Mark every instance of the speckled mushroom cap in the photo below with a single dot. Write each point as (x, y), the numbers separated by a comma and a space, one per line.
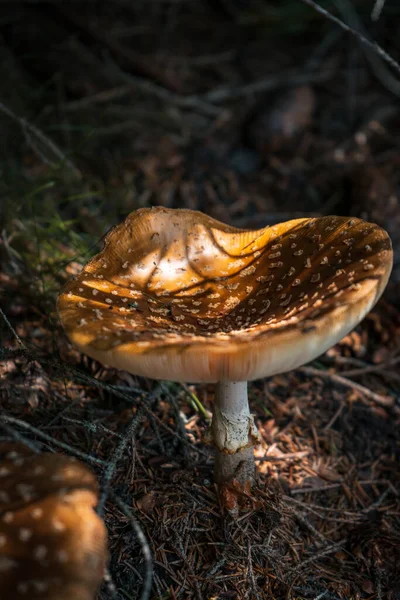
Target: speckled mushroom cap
(52, 543)
(178, 295)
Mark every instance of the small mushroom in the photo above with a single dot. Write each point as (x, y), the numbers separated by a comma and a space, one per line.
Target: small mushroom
(177, 295)
(53, 546)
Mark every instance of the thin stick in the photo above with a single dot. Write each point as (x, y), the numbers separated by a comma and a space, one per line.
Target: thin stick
(335, 486)
(115, 458)
(92, 427)
(251, 571)
(15, 435)
(371, 368)
(11, 328)
(290, 77)
(287, 456)
(148, 578)
(181, 552)
(385, 401)
(308, 506)
(335, 416)
(325, 552)
(324, 517)
(361, 38)
(28, 128)
(376, 11)
(86, 457)
(7, 353)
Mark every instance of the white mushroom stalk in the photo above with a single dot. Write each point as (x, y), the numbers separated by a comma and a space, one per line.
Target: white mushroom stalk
(233, 432)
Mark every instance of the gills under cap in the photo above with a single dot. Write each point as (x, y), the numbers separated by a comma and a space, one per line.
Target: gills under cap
(177, 295)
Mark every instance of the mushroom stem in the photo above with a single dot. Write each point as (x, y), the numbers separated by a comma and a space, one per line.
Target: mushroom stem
(233, 433)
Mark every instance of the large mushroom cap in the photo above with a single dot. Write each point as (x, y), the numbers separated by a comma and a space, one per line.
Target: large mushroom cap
(53, 546)
(178, 295)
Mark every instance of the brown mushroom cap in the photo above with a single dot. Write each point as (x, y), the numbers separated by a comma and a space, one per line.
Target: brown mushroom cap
(52, 543)
(177, 295)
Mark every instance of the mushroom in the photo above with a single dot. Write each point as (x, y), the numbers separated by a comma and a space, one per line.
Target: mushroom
(53, 546)
(177, 295)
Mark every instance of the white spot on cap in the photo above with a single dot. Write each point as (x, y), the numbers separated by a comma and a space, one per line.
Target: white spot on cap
(12, 455)
(62, 556)
(8, 517)
(25, 490)
(6, 564)
(58, 525)
(22, 588)
(40, 586)
(25, 534)
(247, 271)
(40, 552)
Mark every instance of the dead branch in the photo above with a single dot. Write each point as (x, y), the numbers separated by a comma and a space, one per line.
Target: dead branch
(146, 590)
(386, 401)
(30, 130)
(361, 38)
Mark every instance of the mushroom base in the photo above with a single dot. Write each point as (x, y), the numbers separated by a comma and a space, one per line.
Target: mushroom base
(233, 433)
(239, 466)
(232, 428)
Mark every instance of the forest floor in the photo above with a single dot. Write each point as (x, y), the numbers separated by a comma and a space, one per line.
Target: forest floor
(253, 113)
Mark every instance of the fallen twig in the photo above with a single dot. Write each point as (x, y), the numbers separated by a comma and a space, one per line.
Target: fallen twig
(139, 62)
(386, 401)
(335, 486)
(376, 11)
(29, 129)
(146, 591)
(266, 84)
(371, 368)
(361, 38)
(287, 456)
(12, 330)
(115, 458)
(6, 353)
(324, 552)
(7, 419)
